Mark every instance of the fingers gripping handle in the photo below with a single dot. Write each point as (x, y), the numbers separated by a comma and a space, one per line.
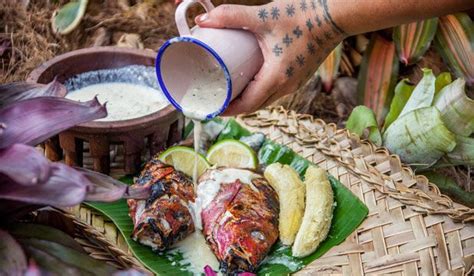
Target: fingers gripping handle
(180, 15)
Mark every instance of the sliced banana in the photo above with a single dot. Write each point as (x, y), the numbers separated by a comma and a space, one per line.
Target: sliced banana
(290, 189)
(318, 213)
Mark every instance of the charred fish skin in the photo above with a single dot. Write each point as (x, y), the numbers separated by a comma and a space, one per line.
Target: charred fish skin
(164, 218)
(241, 224)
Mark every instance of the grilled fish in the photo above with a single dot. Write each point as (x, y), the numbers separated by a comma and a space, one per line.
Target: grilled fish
(164, 218)
(239, 216)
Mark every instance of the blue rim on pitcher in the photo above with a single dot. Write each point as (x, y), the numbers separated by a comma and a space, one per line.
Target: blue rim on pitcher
(198, 42)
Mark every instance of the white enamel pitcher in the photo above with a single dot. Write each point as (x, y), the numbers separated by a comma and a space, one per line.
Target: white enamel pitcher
(182, 60)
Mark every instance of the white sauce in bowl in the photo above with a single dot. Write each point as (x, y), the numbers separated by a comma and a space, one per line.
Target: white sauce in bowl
(124, 100)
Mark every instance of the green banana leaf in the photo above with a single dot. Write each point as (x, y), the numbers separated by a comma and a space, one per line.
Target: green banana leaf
(457, 109)
(420, 137)
(413, 40)
(423, 94)
(463, 153)
(403, 91)
(348, 215)
(442, 80)
(363, 118)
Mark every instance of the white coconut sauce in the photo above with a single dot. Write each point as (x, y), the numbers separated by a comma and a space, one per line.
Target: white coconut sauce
(124, 100)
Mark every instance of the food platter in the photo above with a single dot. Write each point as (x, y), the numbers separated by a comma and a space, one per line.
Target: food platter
(348, 213)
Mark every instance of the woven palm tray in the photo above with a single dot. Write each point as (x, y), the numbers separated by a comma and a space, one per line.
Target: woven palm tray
(411, 227)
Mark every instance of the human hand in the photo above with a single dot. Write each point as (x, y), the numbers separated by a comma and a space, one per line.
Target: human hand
(295, 37)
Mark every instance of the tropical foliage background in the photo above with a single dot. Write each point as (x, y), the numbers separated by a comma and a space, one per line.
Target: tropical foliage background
(416, 77)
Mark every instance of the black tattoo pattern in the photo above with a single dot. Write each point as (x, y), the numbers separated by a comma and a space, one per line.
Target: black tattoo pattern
(297, 32)
(290, 71)
(275, 13)
(313, 4)
(277, 50)
(319, 41)
(318, 21)
(287, 40)
(300, 60)
(311, 48)
(328, 35)
(303, 5)
(263, 14)
(327, 16)
(290, 10)
(309, 24)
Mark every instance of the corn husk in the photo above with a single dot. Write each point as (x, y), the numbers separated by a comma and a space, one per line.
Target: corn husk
(423, 94)
(454, 41)
(413, 40)
(457, 109)
(361, 119)
(463, 153)
(330, 67)
(377, 76)
(403, 91)
(419, 137)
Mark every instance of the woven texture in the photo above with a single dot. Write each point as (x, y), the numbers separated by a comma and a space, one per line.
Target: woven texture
(411, 227)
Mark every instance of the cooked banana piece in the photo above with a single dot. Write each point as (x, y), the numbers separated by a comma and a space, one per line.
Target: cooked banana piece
(318, 213)
(290, 189)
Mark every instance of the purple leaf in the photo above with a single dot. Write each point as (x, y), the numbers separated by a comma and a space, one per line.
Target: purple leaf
(19, 91)
(12, 257)
(208, 271)
(24, 165)
(107, 189)
(34, 120)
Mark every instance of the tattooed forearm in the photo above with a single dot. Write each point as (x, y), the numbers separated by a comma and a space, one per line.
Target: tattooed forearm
(328, 17)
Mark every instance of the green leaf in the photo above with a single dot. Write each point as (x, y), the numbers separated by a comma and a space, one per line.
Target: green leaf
(403, 91)
(377, 76)
(463, 153)
(12, 258)
(457, 109)
(420, 137)
(363, 118)
(449, 187)
(330, 67)
(423, 94)
(68, 17)
(413, 40)
(348, 215)
(455, 43)
(442, 80)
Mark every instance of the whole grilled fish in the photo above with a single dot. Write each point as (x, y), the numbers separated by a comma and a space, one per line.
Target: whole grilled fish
(240, 217)
(164, 218)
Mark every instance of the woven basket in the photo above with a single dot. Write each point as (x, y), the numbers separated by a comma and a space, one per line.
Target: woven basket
(411, 227)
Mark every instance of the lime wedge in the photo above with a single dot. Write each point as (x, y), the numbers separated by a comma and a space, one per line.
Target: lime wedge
(232, 153)
(183, 159)
(66, 19)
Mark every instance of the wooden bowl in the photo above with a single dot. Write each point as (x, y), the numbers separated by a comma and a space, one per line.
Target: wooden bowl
(152, 132)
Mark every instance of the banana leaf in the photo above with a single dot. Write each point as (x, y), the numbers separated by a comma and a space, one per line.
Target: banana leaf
(463, 153)
(420, 137)
(377, 76)
(330, 67)
(423, 93)
(448, 186)
(363, 118)
(454, 41)
(442, 80)
(457, 109)
(348, 215)
(413, 40)
(403, 91)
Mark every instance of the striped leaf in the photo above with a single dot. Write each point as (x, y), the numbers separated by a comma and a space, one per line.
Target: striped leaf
(413, 40)
(454, 41)
(329, 68)
(377, 76)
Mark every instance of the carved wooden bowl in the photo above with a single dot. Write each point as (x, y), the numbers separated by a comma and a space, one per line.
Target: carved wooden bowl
(150, 133)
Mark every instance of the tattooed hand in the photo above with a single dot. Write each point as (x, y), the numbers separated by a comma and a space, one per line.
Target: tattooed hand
(295, 37)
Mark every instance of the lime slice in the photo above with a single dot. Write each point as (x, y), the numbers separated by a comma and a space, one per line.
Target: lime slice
(183, 158)
(232, 153)
(66, 19)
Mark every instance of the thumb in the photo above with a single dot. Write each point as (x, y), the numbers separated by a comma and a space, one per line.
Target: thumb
(230, 16)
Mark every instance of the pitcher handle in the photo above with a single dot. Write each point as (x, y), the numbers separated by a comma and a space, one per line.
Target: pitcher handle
(180, 15)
